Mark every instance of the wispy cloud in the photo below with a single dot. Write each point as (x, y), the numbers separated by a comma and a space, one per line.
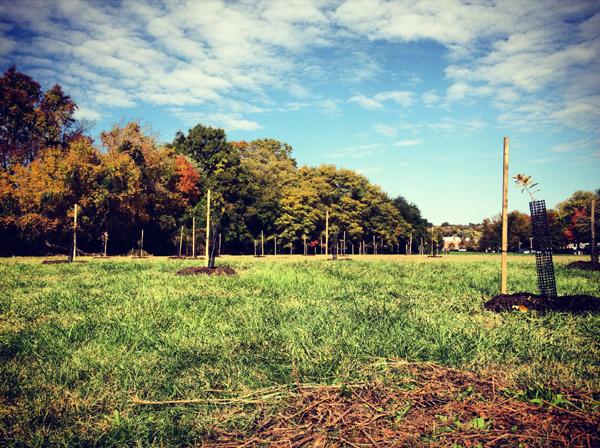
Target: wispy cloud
(365, 102)
(408, 143)
(385, 129)
(369, 170)
(358, 152)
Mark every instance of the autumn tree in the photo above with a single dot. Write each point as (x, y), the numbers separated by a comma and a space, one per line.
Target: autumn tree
(519, 231)
(31, 120)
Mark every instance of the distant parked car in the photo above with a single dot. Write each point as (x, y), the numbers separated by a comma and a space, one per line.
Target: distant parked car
(462, 250)
(524, 251)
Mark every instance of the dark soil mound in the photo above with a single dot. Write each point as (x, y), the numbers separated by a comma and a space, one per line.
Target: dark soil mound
(584, 266)
(339, 259)
(196, 270)
(177, 258)
(569, 304)
(61, 261)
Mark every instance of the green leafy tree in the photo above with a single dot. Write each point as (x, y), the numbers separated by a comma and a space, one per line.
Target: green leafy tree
(233, 186)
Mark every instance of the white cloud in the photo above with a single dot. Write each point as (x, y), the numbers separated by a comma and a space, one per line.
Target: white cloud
(403, 98)
(358, 152)
(571, 146)
(85, 113)
(369, 170)
(408, 142)
(385, 129)
(365, 102)
(430, 97)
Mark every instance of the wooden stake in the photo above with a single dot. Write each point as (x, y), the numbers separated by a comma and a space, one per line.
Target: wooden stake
(505, 218)
(194, 237)
(180, 241)
(262, 244)
(594, 248)
(74, 234)
(326, 232)
(142, 244)
(207, 226)
(219, 244)
(275, 246)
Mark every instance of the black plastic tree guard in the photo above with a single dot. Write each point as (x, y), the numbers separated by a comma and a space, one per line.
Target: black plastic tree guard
(543, 249)
(334, 247)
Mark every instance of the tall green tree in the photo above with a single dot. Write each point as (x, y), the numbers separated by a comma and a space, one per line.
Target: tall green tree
(412, 215)
(233, 186)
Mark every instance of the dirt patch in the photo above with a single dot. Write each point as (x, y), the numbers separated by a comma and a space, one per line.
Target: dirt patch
(584, 266)
(525, 301)
(61, 261)
(428, 406)
(197, 270)
(339, 259)
(177, 258)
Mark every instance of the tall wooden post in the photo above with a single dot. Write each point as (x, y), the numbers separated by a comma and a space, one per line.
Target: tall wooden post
(74, 253)
(275, 246)
(344, 251)
(304, 239)
(594, 248)
(326, 232)
(207, 226)
(194, 237)
(142, 244)
(180, 242)
(505, 218)
(410, 245)
(262, 243)
(219, 244)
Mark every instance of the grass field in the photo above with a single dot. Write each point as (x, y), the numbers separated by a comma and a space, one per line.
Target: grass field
(79, 341)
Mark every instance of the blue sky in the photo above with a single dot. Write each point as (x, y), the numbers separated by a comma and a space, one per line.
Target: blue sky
(416, 95)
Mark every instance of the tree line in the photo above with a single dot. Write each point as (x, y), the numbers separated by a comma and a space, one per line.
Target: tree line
(130, 181)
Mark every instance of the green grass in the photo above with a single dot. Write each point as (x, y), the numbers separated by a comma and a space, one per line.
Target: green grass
(78, 341)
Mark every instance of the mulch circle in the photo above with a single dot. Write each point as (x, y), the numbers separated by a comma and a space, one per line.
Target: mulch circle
(62, 261)
(584, 266)
(196, 270)
(568, 304)
(430, 406)
(177, 258)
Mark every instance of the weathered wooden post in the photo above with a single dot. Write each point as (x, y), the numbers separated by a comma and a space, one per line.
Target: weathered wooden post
(180, 242)
(207, 227)
(594, 248)
(505, 218)
(73, 253)
(219, 244)
(326, 232)
(275, 246)
(262, 243)
(194, 237)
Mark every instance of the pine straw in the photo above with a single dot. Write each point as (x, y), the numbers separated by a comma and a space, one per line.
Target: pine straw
(422, 405)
